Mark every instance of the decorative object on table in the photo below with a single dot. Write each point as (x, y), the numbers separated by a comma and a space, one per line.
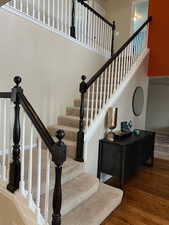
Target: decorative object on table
(111, 123)
(136, 132)
(126, 126)
(130, 125)
(138, 101)
(119, 135)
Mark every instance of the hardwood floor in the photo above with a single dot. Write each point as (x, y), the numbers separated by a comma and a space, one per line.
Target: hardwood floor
(146, 198)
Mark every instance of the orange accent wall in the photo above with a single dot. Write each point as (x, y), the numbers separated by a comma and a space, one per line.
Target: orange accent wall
(159, 38)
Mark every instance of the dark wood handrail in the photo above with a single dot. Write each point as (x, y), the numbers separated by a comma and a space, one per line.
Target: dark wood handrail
(5, 94)
(57, 149)
(43, 132)
(116, 54)
(95, 12)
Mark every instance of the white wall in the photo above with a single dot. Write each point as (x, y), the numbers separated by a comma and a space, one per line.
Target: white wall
(158, 105)
(125, 113)
(51, 66)
(98, 5)
(121, 12)
(140, 13)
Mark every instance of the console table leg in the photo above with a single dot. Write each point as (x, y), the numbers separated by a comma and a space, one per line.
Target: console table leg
(122, 183)
(99, 162)
(152, 161)
(122, 176)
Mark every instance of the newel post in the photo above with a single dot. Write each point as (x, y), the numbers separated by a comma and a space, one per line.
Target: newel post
(80, 134)
(15, 166)
(58, 157)
(113, 37)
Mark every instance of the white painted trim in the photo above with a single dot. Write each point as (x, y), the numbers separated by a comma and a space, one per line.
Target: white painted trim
(51, 29)
(100, 117)
(140, 1)
(159, 84)
(158, 77)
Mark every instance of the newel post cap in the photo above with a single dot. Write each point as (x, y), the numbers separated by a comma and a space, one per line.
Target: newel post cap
(84, 77)
(60, 134)
(17, 80)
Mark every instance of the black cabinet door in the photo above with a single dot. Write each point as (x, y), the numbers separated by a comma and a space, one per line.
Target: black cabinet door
(130, 160)
(121, 158)
(145, 149)
(110, 159)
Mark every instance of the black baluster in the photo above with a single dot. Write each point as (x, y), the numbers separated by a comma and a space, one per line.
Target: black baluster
(113, 37)
(15, 166)
(72, 28)
(58, 157)
(80, 134)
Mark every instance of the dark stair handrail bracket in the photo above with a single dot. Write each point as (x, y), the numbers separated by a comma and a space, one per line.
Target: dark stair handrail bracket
(57, 149)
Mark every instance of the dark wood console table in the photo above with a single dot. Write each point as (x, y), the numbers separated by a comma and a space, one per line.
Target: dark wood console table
(122, 158)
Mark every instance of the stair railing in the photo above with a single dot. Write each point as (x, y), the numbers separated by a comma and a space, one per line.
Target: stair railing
(91, 28)
(71, 18)
(99, 89)
(25, 170)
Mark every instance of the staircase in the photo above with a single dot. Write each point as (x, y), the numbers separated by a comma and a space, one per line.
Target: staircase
(97, 93)
(85, 200)
(79, 197)
(56, 187)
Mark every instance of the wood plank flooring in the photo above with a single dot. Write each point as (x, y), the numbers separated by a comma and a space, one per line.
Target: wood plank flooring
(146, 198)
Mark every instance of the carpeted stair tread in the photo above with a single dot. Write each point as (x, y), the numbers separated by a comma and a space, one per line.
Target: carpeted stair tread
(71, 147)
(96, 208)
(75, 111)
(71, 169)
(69, 121)
(77, 102)
(63, 127)
(75, 192)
